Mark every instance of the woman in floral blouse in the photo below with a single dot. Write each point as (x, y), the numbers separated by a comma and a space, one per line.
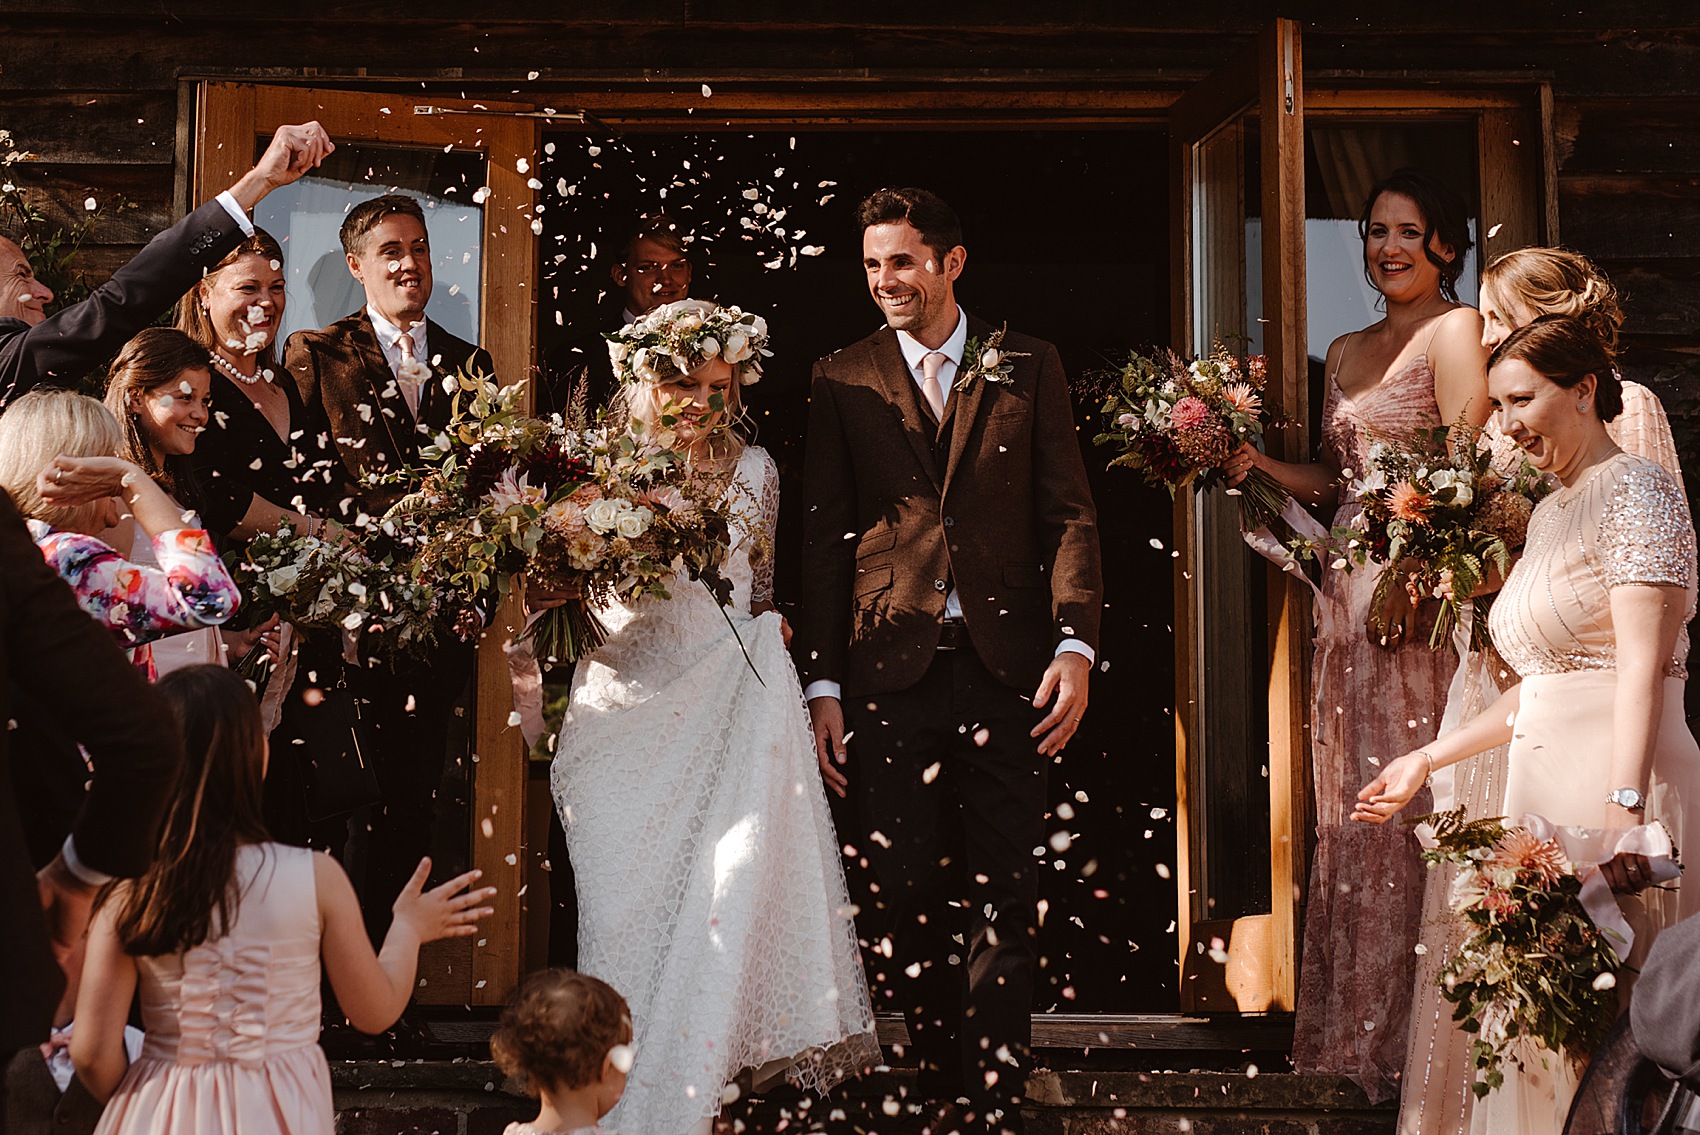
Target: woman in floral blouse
(57, 460)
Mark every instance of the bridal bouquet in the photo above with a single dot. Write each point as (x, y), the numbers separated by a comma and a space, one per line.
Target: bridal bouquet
(1535, 965)
(1440, 509)
(586, 510)
(320, 584)
(1176, 419)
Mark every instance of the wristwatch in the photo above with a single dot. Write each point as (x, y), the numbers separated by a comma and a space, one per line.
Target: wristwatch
(1627, 798)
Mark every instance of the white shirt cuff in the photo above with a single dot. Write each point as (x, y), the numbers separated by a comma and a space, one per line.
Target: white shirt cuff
(1078, 647)
(236, 213)
(80, 869)
(823, 689)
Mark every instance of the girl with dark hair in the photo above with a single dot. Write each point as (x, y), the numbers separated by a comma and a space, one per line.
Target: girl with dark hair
(224, 936)
(159, 390)
(1377, 685)
(1593, 620)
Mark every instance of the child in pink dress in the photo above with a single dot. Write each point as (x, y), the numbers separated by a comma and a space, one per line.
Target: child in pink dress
(223, 939)
(567, 1038)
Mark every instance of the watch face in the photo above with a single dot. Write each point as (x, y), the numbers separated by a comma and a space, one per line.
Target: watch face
(1626, 798)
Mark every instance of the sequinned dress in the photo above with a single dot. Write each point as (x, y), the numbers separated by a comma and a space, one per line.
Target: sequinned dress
(1435, 1097)
(1366, 881)
(1624, 523)
(709, 881)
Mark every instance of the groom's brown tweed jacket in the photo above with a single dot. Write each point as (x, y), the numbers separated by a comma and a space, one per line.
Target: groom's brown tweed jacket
(993, 501)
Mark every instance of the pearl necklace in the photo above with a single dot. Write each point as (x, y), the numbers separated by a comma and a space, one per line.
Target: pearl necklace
(229, 368)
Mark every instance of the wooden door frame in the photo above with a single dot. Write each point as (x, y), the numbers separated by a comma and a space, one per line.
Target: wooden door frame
(230, 118)
(1517, 176)
(1515, 109)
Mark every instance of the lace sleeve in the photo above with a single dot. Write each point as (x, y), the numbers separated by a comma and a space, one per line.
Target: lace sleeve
(1646, 535)
(137, 602)
(764, 531)
(1644, 430)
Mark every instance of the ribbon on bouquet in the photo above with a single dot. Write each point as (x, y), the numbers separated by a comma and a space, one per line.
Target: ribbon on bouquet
(1590, 847)
(1265, 544)
(526, 675)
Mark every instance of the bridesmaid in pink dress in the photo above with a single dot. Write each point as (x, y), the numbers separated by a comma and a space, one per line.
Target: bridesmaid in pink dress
(1593, 619)
(222, 940)
(1376, 691)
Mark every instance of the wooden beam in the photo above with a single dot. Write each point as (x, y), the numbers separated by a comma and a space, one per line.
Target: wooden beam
(1282, 104)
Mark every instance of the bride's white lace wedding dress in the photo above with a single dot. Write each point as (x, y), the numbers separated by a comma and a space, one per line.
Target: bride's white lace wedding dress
(709, 884)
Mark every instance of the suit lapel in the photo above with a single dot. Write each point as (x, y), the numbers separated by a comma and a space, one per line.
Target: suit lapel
(963, 406)
(905, 401)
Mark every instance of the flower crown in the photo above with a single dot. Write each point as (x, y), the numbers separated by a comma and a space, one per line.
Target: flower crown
(678, 338)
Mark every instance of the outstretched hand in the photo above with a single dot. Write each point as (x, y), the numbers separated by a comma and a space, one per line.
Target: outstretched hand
(294, 150)
(1067, 678)
(1382, 798)
(449, 910)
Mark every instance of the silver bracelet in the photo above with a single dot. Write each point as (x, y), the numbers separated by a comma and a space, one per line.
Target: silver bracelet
(1428, 780)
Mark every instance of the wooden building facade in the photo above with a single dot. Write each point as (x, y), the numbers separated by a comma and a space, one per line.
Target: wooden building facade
(1128, 173)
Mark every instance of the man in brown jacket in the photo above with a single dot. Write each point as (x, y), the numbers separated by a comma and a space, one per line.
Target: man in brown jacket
(378, 379)
(950, 621)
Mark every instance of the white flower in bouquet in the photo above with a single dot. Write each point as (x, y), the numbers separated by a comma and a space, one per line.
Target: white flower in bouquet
(1127, 421)
(737, 347)
(282, 580)
(1452, 487)
(604, 515)
(633, 522)
(617, 351)
(710, 347)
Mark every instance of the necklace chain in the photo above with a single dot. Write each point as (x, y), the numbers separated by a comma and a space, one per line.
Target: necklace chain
(229, 368)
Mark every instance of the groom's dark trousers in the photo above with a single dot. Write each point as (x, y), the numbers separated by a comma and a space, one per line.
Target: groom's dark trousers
(990, 502)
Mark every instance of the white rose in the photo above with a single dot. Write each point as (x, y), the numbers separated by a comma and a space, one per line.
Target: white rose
(617, 351)
(690, 321)
(990, 360)
(282, 580)
(737, 347)
(710, 347)
(603, 515)
(634, 523)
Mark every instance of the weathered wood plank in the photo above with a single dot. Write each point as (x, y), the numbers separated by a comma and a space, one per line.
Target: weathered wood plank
(93, 127)
(1631, 218)
(63, 191)
(1630, 136)
(1660, 297)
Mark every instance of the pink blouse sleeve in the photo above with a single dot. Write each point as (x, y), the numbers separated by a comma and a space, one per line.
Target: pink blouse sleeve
(189, 589)
(1645, 534)
(1644, 429)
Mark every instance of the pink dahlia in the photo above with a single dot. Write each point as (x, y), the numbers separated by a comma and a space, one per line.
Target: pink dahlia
(1189, 413)
(1519, 849)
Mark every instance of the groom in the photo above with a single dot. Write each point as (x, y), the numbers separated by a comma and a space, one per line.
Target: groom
(949, 625)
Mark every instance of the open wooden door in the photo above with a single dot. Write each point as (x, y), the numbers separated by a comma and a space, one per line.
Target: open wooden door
(1242, 629)
(471, 162)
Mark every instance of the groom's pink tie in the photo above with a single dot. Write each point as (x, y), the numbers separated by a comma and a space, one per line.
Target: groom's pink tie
(930, 389)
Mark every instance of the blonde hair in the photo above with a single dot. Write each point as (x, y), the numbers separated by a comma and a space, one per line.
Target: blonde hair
(39, 427)
(1558, 281)
(641, 402)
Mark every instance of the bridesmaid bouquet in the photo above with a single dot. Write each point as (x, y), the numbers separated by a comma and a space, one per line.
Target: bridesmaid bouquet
(1441, 509)
(586, 510)
(1176, 419)
(1535, 966)
(320, 584)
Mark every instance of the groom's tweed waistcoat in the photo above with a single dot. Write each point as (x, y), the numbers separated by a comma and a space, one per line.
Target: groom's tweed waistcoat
(994, 503)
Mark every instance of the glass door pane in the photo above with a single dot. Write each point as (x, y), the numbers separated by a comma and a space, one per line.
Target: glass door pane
(305, 218)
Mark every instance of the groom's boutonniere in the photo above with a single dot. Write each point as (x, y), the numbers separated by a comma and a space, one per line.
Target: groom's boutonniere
(987, 361)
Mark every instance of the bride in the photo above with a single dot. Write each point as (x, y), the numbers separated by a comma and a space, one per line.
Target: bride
(710, 889)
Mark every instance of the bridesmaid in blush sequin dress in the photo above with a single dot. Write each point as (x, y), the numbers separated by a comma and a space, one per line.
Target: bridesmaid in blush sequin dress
(1593, 620)
(1420, 366)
